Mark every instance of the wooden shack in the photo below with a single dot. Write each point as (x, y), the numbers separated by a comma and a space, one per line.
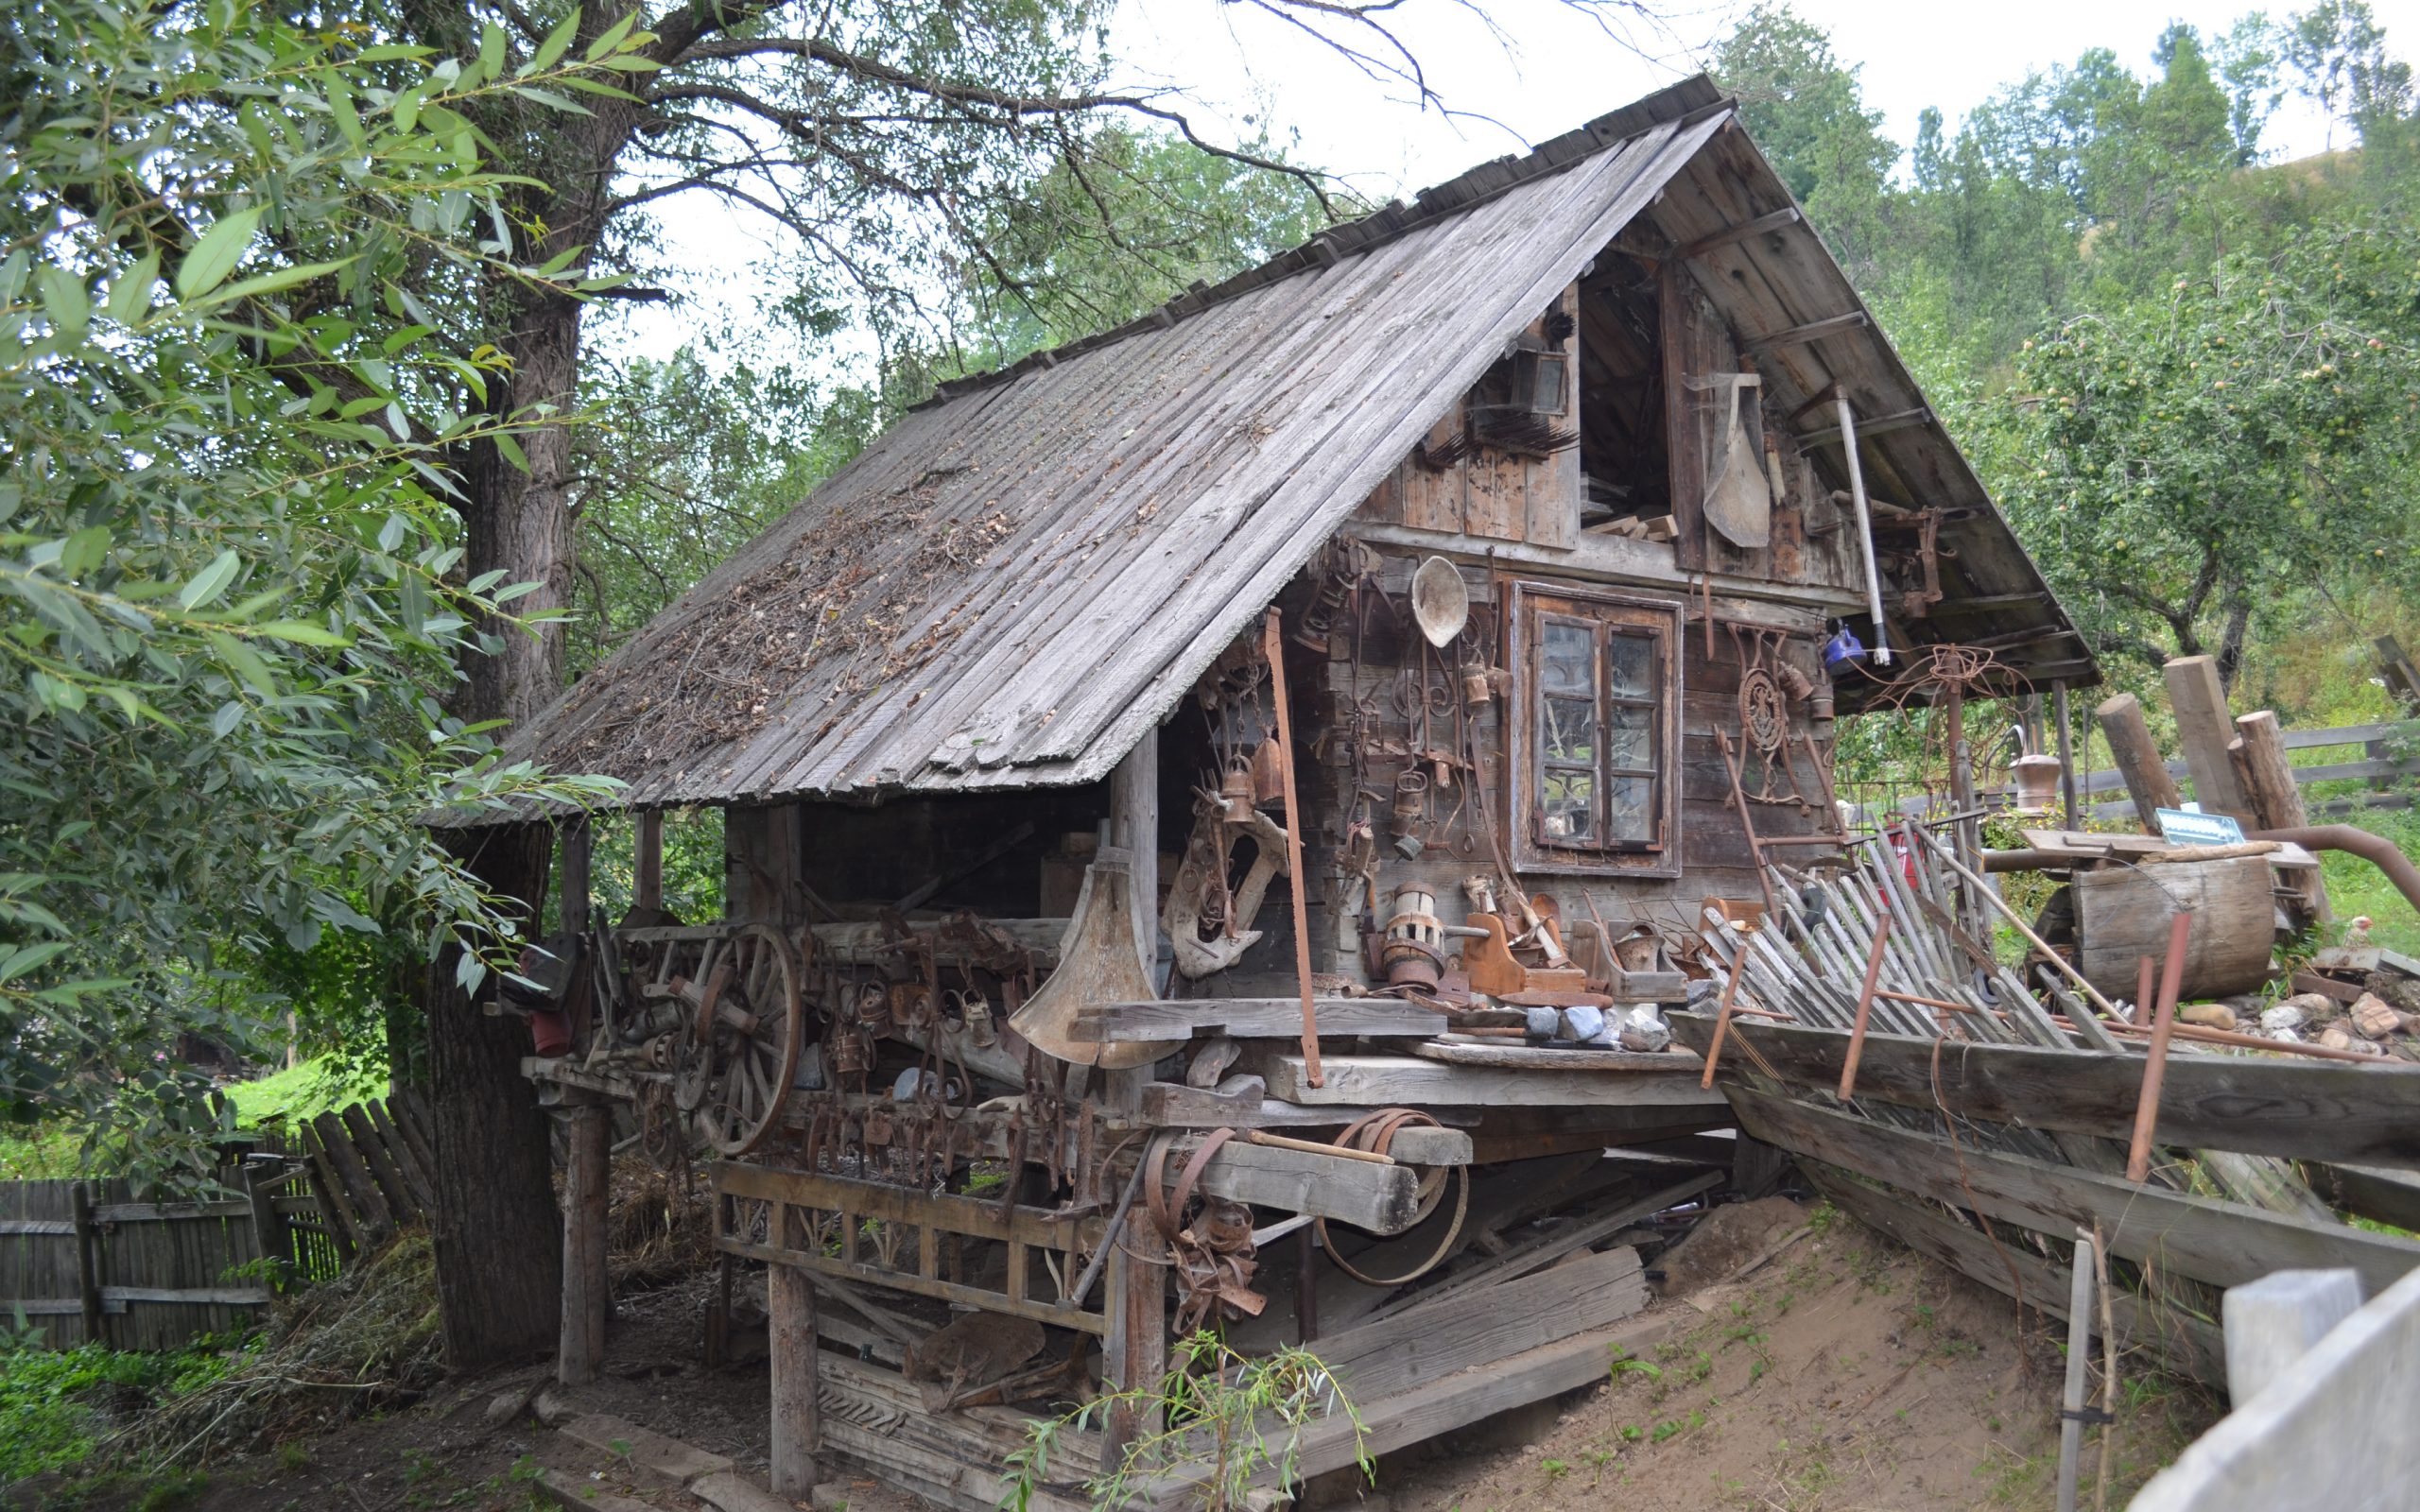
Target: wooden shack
(1276, 725)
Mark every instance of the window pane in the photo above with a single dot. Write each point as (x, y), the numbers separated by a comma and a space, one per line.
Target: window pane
(1629, 666)
(1567, 731)
(1565, 658)
(1630, 738)
(1630, 813)
(1568, 804)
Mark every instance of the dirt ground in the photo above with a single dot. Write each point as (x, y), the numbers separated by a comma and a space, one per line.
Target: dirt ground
(1842, 1373)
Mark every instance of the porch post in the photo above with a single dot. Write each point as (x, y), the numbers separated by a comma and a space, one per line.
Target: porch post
(789, 1317)
(1134, 1353)
(580, 1349)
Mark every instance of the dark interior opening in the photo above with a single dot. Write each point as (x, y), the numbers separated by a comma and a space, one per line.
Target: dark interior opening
(1625, 465)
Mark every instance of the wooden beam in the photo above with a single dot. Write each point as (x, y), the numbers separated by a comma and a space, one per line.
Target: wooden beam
(2138, 758)
(1436, 1334)
(2268, 781)
(1380, 1199)
(580, 1349)
(647, 886)
(2067, 799)
(1813, 331)
(2307, 1109)
(573, 831)
(2187, 1342)
(2224, 1243)
(2203, 729)
(1880, 425)
(1386, 1081)
(1732, 234)
(1251, 1019)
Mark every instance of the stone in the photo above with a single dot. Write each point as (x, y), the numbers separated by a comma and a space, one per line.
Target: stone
(2285, 1017)
(2208, 1015)
(2334, 1038)
(510, 1404)
(2374, 1017)
(580, 1494)
(829, 1496)
(2313, 1004)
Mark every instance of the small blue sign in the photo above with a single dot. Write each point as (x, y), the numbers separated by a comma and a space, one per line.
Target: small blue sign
(2184, 827)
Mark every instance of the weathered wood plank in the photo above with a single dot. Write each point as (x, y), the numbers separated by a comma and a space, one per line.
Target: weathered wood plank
(1252, 1018)
(1381, 1198)
(2190, 1344)
(2221, 1243)
(2204, 729)
(1479, 1325)
(2305, 1109)
(1553, 1062)
(1385, 1081)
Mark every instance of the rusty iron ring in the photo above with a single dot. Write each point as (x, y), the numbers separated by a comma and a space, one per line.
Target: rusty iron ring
(1375, 1132)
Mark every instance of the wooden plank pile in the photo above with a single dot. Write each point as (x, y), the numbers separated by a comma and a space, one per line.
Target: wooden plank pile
(1874, 1034)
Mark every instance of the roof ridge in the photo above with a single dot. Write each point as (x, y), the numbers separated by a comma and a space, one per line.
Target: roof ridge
(1679, 104)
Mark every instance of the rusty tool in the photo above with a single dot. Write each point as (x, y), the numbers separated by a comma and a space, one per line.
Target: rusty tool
(1272, 642)
(1281, 1142)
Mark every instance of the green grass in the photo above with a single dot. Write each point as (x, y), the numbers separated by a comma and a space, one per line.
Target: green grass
(54, 1150)
(2355, 886)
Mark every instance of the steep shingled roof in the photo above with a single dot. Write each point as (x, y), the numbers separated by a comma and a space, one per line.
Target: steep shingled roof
(1016, 579)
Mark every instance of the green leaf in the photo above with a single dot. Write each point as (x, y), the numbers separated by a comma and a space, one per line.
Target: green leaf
(614, 36)
(245, 663)
(216, 255)
(130, 293)
(551, 99)
(491, 50)
(552, 48)
(301, 632)
(511, 450)
(65, 298)
(84, 550)
(210, 582)
(16, 962)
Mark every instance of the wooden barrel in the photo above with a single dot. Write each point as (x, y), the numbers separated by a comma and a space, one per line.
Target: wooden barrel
(2122, 915)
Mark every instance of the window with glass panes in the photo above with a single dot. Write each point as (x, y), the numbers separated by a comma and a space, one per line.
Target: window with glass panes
(1594, 750)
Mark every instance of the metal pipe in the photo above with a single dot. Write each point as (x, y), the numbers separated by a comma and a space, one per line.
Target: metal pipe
(1864, 529)
(2375, 850)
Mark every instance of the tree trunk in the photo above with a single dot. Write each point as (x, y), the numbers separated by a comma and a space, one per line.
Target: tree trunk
(498, 1234)
(498, 1237)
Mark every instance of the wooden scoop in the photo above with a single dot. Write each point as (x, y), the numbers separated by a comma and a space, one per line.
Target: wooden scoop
(1099, 962)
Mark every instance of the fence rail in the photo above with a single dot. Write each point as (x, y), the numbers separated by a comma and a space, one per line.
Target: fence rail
(2109, 780)
(86, 1262)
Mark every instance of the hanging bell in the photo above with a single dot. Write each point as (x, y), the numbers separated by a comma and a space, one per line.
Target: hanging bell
(1237, 791)
(1269, 773)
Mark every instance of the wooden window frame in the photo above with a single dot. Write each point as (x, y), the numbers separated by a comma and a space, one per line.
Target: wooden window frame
(1530, 604)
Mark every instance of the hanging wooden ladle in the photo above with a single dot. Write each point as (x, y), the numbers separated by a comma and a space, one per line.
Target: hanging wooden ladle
(1440, 603)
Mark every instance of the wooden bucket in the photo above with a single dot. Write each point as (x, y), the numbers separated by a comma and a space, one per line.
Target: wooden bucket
(2122, 915)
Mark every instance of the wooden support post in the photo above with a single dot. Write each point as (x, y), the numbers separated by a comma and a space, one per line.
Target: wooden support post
(2259, 754)
(574, 834)
(1134, 1353)
(88, 1262)
(581, 1348)
(2137, 758)
(764, 851)
(270, 1231)
(647, 886)
(2067, 781)
(789, 1317)
(2204, 730)
(1134, 824)
(2402, 678)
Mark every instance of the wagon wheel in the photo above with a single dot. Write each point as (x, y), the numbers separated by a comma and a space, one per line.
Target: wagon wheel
(693, 1064)
(751, 1028)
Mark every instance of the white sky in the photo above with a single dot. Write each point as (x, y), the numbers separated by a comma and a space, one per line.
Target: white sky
(1553, 69)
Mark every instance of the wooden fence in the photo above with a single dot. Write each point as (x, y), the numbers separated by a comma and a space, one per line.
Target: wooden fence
(2379, 766)
(84, 1261)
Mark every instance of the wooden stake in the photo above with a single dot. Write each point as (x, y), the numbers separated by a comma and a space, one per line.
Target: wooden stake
(2137, 758)
(2259, 754)
(2079, 1358)
(2138, 1155)
(1272, 642)
(2203, 729)
(1864, 1005)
